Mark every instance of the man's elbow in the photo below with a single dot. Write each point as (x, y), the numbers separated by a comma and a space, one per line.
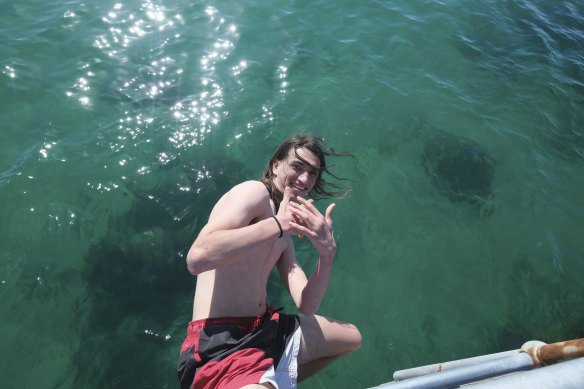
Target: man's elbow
(307, 309)
(197, 261)
(307, 312)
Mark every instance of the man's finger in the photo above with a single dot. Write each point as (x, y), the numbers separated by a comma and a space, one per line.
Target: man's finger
(299, 210)
(329, 214)
(286, 194)
(297, 219)
(285, 200)
(308, 204)
(299, 229)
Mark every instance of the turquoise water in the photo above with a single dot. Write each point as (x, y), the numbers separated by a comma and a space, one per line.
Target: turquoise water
(123, 123)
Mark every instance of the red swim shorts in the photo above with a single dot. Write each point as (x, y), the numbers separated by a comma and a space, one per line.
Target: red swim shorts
(231, 352)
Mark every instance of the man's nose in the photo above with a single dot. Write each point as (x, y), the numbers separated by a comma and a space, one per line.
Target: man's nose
(304, 176)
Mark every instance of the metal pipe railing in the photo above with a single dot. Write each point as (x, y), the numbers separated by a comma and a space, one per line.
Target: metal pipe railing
(406, 374)
(463, 375)
(455, 373)
(546, 354)
(565, 375)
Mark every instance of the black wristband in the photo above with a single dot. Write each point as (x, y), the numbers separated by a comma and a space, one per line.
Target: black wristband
(279, 226)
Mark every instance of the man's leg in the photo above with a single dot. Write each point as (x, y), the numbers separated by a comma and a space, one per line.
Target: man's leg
(323, 340)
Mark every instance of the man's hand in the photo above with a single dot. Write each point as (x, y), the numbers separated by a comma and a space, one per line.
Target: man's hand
(285, 216)
(308, 221)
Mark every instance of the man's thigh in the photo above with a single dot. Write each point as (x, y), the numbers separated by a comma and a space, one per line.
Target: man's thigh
(323, 337)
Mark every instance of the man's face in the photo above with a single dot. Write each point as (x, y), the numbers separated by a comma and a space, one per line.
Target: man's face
(300, 176)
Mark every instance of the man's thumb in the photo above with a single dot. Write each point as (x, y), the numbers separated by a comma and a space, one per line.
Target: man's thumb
(329, 214)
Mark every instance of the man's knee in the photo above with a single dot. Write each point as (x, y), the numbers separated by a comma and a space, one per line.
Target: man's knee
(324, 337)
(354, 337)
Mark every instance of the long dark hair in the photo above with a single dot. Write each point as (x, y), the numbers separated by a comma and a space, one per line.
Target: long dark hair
(322, 188)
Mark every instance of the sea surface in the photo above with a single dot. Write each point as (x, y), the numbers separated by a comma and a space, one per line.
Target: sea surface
(122, 123)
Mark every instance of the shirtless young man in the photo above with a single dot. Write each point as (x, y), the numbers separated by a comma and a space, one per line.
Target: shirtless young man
(236, 340)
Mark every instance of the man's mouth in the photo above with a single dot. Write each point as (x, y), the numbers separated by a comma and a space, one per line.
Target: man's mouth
(301, 189)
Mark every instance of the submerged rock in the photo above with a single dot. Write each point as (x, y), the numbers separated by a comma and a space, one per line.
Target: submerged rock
(460, 169)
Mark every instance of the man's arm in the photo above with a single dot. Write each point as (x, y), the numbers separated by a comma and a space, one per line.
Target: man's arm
(308, 294)
(228, 235)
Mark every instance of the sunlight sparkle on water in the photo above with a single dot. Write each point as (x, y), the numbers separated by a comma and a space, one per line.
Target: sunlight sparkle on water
(237, 69)
(199, 115)
(45, 150)
(9, 71)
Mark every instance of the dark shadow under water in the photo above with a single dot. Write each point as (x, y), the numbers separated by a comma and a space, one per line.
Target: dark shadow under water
(460, 169)
(139, 292)
(553, 314)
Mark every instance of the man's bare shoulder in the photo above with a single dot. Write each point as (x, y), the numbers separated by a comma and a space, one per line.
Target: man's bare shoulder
(251, 187)
(245, 201)
(248, 192)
